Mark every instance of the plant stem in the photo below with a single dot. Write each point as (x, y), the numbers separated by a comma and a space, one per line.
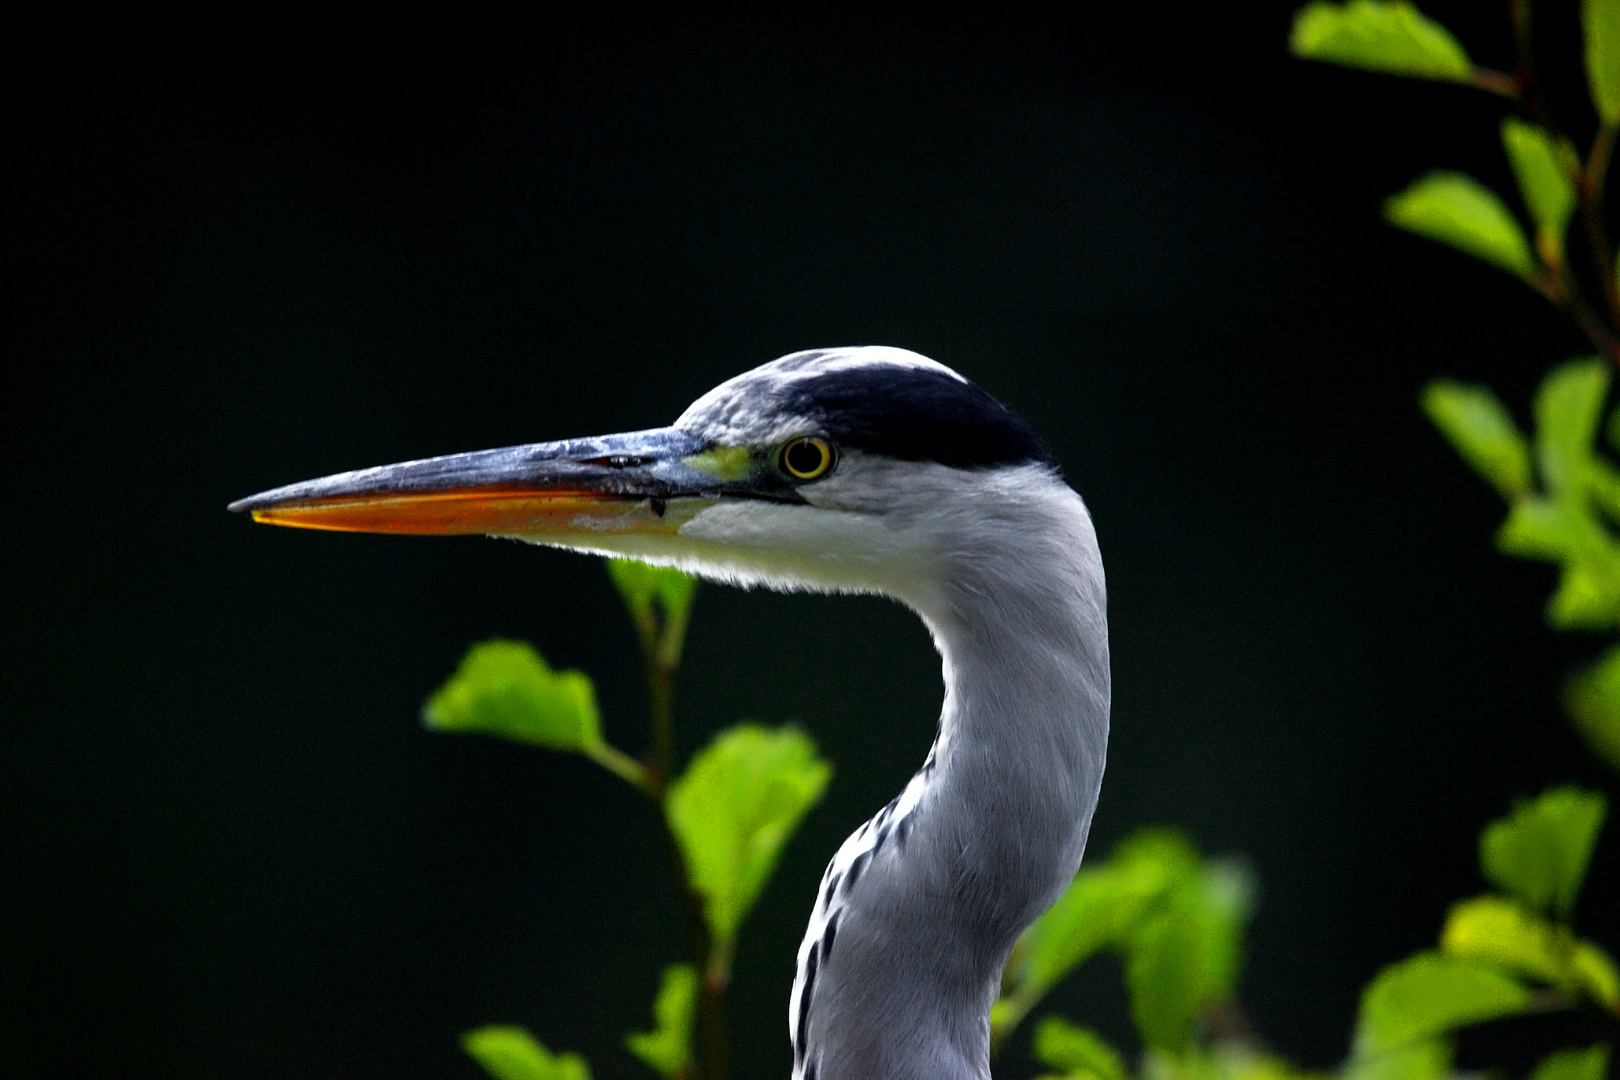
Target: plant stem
(622, 765)
(1524, 83)
(661, 643)
(1496, 82)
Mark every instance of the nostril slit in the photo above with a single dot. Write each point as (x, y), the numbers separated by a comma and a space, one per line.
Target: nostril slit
(619, 461)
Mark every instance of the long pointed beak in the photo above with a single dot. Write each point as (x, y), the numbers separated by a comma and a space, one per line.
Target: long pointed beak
(615, 483)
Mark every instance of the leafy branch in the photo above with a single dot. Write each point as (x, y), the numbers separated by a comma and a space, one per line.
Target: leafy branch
(1566, 509)
(1554, 181)
(725, 819)
(1177, 922)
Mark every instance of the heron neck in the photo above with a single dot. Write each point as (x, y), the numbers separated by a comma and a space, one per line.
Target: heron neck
(1023, 738)
(993, 827)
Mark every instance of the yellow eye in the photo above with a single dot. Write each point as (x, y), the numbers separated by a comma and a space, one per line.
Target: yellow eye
(807, 458)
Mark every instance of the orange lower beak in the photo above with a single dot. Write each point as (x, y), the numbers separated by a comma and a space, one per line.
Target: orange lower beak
(474, 511)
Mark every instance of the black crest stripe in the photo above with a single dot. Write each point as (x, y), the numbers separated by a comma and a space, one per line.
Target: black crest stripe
(915, 414)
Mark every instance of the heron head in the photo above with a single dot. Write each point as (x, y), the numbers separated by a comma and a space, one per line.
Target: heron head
(834, 469)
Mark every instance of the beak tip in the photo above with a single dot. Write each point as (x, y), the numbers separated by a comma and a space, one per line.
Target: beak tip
(242, 506)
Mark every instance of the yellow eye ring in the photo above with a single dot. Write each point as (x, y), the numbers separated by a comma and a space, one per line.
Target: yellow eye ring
(807, 458)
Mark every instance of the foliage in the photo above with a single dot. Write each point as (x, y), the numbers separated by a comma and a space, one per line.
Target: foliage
(1177, 921)
(1540, 853)
(1589, 1064)
(1076, 1053)
(1567, 510)
(1458, 210)
(505, 688)
(511, 1053)
(1174, 918)
(733, 812)
(668, 1047)
(728, 816)
(1389, 37)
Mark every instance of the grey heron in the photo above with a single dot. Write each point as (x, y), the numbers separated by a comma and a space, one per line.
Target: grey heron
(864, 470)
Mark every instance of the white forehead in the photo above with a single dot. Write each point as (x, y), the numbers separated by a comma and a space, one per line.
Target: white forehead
(748, 407)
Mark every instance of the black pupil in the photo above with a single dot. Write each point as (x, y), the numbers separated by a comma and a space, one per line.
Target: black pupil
(805, 457)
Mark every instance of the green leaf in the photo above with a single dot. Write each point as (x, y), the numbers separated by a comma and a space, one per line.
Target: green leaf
(667, 1049)
(1549, 531)
(1600, 22)
(1455, 209)
(1390, 37)
(511, 1053)
(1427, 995)
(1540, 851)
(1188, 956)
(505, 688)
(1428, 1059)
(1568, 405)
(1496, 929)
(1102, 905)
(1543, 166)
(1076, 1051)
(733, 811)
(1163, 975)
(1588, 598)
(659, 599)
(1482, 431)
(1589, 1064)
(1595, 973)
(1593, 701)
(1603, 485)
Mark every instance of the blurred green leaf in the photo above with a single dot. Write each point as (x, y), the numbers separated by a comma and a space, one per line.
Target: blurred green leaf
(1593, 700)
(505, 688)
(659, 600)
(1568, 405)
(1455, 209)
(1483, 433)
(667, 1049)
(1243, 1061)
(734, 810)
(511, 1053)
(1540, 851)
(1101, 905)
(1588, 597)
(1589, 1064)
(1499, 930)
(1076, 1052)
(1595, 974)
(1427, 1059)
(1543, 164)
(1603, 485)
(1164, 976)
(1187, 956)
(1178, 919)
(1390, 37)
(1427, 995)
(1546, 530)
(1600, 23)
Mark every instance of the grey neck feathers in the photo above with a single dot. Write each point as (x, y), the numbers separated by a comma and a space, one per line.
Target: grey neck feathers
(920, 908)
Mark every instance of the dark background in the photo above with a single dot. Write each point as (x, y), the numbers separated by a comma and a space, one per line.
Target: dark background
(231, 850)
